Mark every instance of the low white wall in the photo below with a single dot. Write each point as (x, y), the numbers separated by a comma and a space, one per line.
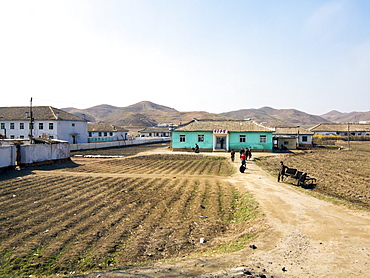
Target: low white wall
(7, 156)
(44, 152)
(102, 145)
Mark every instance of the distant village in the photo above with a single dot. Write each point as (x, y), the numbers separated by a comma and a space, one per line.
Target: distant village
(46, 125)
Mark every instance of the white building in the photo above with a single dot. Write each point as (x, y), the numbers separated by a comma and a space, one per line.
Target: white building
(106, 132)
(342, 129)
(292, 138)
(45, 122)
(155, 132)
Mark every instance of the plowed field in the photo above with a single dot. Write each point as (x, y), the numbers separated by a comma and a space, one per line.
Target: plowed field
(341, 174)
(95, 214)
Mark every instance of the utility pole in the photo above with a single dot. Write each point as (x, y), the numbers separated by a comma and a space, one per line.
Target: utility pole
(349, 146)
(31, 122)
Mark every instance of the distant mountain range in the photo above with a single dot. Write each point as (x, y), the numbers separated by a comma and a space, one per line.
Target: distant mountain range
(146, 114)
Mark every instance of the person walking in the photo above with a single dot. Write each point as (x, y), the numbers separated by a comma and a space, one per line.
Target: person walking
(281, 171)
(242, 151)
(243, 158)
(232, 155)
(249, 155)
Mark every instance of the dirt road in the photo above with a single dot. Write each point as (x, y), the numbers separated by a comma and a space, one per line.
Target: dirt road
(308, 237)
(302, 237)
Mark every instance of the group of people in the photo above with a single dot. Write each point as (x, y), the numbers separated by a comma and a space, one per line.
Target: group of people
(245, 154)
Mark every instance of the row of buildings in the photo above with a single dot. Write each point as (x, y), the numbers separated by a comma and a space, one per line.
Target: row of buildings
(52, 123)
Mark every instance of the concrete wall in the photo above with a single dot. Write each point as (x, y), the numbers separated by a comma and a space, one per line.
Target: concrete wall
(7, 156)
(35, 153)
(103, 145)
(44, 152)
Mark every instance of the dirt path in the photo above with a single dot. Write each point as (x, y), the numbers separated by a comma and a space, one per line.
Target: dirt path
(308, 237)
(303, 237)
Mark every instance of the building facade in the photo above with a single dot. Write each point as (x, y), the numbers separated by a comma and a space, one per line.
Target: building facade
(42, 122)
(106, 132)
(292, 138)
(155, 132)
(212, 135)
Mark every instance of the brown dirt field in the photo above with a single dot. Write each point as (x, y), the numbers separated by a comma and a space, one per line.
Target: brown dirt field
(340, 173)
(101, 213)
(92, 214)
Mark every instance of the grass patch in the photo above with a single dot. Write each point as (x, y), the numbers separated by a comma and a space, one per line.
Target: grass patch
(233, 246)
(245, 207)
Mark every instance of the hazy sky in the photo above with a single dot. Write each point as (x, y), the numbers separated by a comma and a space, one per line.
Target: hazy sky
(209, 55)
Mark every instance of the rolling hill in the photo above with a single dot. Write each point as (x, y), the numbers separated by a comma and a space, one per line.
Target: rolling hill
(277, 117)
(145, 114)
(140, 115)
(352, 117)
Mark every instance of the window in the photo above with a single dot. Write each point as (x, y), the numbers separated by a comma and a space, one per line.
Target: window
(111, 133)
(242, 138)
(11, 125)
(200, 137)
(105, 133)
(41, 125)
(99, 134)
(262, 138)
(73, 124)
(51, 125)
(182, 138)
(304, 139)
(21, 137)
(2, 125)
(90, 134)
(12, 137)
(21, 125)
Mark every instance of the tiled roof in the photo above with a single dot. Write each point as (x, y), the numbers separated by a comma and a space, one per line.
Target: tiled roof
(233, 126)
(155, 129)
(292, 131)
(39, 113)
(340, 127)
(105, 127)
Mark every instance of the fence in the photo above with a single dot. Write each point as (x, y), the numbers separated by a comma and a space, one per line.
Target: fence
(23, 155)
(103, 145)
(7, 156)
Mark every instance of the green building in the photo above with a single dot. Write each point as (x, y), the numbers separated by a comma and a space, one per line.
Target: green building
(213, 135)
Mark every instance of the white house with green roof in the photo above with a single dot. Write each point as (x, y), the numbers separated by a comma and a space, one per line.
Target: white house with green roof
(215, 135)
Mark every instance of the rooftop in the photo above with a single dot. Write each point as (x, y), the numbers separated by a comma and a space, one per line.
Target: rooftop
(105, 127)
(38, 112)
(340, 127)
(233, 126)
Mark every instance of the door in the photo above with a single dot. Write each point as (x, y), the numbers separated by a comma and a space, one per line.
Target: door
(221, 142)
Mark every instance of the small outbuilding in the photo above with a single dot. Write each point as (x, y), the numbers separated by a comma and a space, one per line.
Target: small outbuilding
(291, 138)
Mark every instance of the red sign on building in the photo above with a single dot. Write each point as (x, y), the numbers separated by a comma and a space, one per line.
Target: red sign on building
(220, 131)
